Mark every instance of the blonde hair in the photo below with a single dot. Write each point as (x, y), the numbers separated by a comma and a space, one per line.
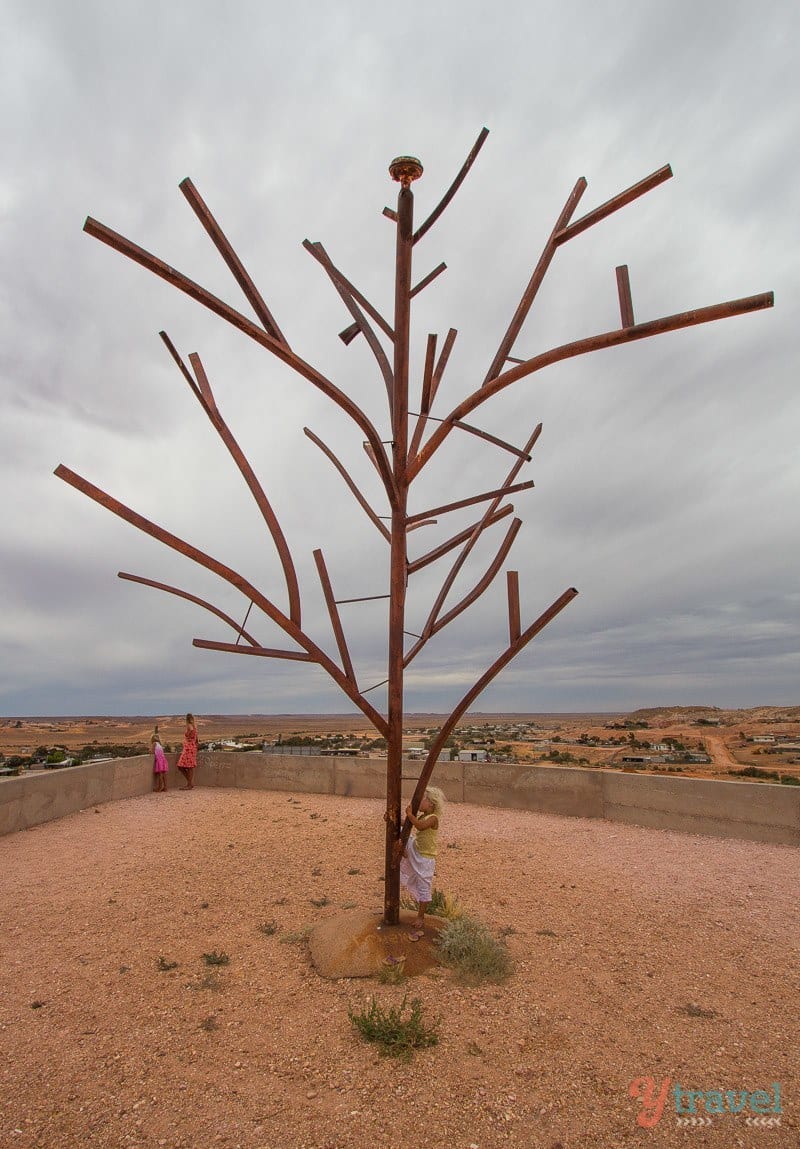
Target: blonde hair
(437, 799)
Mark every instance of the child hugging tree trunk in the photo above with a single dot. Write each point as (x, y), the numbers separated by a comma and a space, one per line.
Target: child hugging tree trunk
(418, 863)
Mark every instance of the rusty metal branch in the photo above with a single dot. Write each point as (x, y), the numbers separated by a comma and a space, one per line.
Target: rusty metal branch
(230, 576)
(438, 371)
(462, 536)
(530, 292)
(479, 528)
(483, 583)
(425, 401)
(430, 384)
(471, 501)
(433, 626)
(260, 651)
(610, 206)
(583, 347)
(223, 246)
(429, 278)
(625, 299)
(373, 517)
(352, 298)
(336, 622)
(454, 186)
(512, 583)
(345, 293)
(427, 376)
(206, 397)
(449, 726)
(242, 323)
(191, 598)
(184, 370)
(480, 435)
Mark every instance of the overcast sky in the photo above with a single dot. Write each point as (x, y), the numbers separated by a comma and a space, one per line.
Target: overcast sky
(667, 474)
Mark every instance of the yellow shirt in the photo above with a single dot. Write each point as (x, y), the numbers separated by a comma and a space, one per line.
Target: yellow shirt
(427, 843)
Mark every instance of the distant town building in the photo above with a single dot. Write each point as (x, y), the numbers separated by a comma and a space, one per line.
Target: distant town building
(473, 756)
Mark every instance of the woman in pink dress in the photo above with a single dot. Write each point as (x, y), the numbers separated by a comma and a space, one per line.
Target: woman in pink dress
(188, 758)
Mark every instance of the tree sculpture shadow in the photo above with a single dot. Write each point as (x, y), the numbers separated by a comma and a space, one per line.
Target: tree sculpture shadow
(414, 439)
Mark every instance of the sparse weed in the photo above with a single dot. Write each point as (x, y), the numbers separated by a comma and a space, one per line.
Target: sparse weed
(697, 1011)
(320, 902)
(269, 928)
(392, 971)
(394, 1034)
(165, 965)
(209, 980)
(296, 937)
(209, 1024)
(471, 949)
(216, 958)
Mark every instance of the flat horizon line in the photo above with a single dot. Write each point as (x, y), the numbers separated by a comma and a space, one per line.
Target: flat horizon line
(338, 714)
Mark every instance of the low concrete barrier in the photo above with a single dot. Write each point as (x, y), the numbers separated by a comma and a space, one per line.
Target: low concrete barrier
(754, 811)
(30, 799)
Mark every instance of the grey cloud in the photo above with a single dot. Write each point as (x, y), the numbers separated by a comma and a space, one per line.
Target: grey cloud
(667, 473)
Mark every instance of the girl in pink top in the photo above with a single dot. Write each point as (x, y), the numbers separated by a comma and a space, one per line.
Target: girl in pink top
(160, 764)
(188, 758)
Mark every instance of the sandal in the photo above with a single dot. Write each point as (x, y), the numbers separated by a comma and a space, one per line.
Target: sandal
(415, 935)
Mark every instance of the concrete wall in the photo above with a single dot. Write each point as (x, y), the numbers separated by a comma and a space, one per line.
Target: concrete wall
(756, 811)
(30, 799)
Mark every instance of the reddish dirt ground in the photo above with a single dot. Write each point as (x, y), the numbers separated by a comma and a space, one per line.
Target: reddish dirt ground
(638, 954)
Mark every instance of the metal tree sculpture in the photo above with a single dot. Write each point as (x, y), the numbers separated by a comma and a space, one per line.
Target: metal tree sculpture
(398, 469)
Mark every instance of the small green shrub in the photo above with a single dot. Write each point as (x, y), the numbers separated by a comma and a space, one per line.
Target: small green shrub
(473, 951)
(790, 780)
(215, 958)
(756, 772)
(394, 1034)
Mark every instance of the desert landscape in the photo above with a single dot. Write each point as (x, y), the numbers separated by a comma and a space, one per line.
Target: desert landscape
(763, 738)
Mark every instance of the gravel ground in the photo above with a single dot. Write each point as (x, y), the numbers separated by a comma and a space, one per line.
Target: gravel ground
(638, 953)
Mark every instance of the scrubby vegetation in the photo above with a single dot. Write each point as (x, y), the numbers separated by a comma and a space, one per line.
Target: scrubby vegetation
(395, 1035)
(476, 955)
